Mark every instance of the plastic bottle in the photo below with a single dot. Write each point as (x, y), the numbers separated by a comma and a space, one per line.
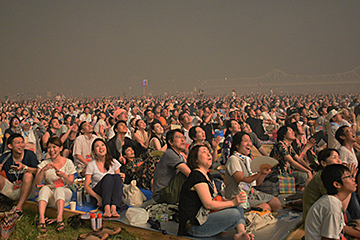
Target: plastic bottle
(79, 197)
(93, 221)
(99, 221)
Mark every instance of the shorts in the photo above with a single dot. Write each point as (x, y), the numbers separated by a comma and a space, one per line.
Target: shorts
(14, 194)
(257, 197)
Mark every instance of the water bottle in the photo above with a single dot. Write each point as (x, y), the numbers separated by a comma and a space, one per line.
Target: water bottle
(79, 197)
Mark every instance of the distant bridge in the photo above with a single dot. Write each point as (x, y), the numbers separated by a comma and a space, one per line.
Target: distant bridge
(281, 81)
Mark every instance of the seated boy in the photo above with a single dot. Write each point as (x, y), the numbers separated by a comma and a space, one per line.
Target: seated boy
(325, 218)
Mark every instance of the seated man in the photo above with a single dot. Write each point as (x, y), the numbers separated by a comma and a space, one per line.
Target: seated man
(171, 171)
(82, 147)
(325, 218)
(315, 190)
(16, 171)
(256, 125)
(346, 136)
(120, 139)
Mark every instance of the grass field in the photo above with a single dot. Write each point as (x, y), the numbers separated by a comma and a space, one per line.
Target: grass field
(26, 230)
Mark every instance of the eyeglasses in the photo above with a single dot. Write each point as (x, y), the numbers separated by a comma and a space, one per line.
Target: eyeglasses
(349, 130)
(181, 137)
(349, 176)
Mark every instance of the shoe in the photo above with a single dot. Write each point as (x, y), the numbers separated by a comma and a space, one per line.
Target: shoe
(19, 212)
(109, 230)
(93, 236)
(75, 221)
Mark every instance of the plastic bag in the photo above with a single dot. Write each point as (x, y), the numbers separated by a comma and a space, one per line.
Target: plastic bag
(132, 195)
(137, 216)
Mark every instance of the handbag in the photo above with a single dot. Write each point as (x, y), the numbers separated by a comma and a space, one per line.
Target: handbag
(202, 215)
(256, 220)
(8, 222)
(286, 184)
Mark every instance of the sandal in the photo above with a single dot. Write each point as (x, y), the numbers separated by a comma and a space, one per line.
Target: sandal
(60, 227)
(115, 215)
(93, 236)
(109, 230)
(41, 227)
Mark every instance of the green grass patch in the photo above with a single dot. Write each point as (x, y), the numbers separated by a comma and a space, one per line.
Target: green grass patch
(26, 230)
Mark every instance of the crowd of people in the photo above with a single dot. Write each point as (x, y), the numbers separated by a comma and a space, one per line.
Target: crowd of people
(169, 143)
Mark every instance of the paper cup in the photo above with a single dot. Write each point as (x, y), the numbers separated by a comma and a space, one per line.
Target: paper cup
(72, 206)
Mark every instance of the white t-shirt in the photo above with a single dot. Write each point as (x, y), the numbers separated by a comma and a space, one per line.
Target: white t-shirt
(325, 219)
(82, 146)
(99, 123)
(348, 156)
(95, 173)
(85, 118)
(237, 163)
(50, 175)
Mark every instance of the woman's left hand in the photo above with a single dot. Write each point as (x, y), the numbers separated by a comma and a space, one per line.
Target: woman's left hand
(240, 198)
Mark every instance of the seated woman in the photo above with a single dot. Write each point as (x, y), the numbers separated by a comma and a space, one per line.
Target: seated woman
(157, 141)
(197, 194)
(58, 174)
(141, 170)
(140, 134)
(238, 175)
(302, 146)
(197, 134)
(13, 128)
(289, 161)
(132, 164)
(106, 180)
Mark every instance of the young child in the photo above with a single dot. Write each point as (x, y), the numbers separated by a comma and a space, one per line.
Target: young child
(325, 218)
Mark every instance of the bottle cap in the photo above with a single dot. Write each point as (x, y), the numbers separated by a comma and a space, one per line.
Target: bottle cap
(99, 215)
(92, 215)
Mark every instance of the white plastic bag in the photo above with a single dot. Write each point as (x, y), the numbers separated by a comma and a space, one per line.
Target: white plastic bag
(132, 195)
(137, 216)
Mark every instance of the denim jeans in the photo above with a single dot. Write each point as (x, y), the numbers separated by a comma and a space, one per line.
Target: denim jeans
(223, 220)
(110, 189)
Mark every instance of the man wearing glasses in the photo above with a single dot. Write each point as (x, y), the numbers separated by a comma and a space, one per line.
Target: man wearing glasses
(325, 219)
(171, 171)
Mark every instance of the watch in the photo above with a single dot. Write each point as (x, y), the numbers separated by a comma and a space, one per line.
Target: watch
(26, 168)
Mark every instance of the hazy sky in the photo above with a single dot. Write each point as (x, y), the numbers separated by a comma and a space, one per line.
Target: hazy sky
(105, 47)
